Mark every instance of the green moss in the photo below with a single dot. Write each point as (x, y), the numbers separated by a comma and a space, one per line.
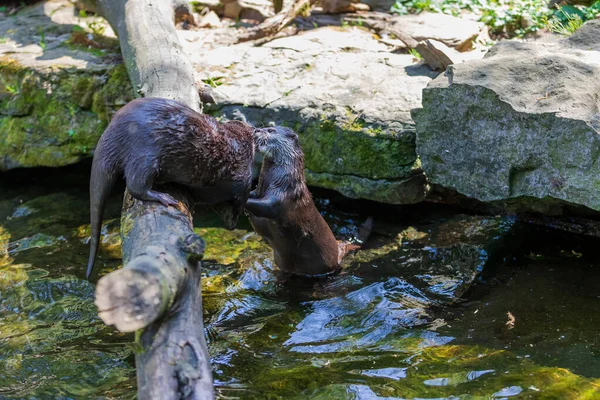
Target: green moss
(114, 93)
(225, 246)
(410, 190)
(55, 119)
(357, 148)
(127, 223)
(96, 44)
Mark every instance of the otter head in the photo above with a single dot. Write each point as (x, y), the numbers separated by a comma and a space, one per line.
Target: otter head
(278, 144)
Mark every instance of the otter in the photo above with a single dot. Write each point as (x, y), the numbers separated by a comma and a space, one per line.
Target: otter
(282, 211)
(154, 140)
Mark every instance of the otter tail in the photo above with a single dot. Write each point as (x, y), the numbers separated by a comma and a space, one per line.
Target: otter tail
(102, 181)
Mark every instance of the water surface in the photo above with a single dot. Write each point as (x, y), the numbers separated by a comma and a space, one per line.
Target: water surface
(402, 321)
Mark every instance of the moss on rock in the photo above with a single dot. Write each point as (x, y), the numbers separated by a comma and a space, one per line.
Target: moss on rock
(54, 118)
(362, 159)
(353, 147)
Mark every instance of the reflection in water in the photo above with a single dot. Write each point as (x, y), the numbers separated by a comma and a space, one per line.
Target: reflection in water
(362, 318)
(390, 326)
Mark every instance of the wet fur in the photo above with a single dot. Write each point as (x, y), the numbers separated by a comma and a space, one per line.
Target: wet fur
(282, 211)
(154, 140)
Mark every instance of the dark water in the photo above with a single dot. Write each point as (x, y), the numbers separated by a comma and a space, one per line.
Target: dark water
(421, 313)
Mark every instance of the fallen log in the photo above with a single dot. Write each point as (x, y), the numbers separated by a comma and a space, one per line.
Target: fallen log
(151, 49)
(157, 292)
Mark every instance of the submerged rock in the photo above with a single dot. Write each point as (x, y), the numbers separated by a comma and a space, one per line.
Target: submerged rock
(519, 127)
(443, 259)
(383, 290)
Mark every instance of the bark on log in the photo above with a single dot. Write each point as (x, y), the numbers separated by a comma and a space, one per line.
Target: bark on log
(157, 292)
(151, 49)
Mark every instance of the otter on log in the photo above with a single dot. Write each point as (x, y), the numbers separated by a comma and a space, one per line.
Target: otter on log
(154, 140)
(282, 211)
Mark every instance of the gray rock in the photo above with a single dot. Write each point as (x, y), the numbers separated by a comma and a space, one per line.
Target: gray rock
(587, 38)
(452, 31)
(379, 5)
(437, 55)
(521, 124)
(347, 96)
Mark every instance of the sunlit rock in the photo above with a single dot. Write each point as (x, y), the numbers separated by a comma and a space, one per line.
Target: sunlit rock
(520, 127)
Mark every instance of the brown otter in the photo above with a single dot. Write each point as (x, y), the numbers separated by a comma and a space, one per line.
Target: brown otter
(152, 140)
(282, 211)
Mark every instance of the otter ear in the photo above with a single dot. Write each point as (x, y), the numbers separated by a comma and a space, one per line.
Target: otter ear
(291, 134)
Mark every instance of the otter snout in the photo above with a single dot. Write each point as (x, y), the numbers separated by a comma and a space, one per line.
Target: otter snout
(261, 140)
(259, 133)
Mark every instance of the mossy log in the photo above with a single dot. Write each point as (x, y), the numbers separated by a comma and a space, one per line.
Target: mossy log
(157, 292)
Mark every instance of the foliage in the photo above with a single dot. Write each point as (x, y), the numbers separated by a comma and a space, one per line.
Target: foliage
(508, 17)
(214, 82)
(568, 19)
(42, 41)
(572, 23)
(415, 54)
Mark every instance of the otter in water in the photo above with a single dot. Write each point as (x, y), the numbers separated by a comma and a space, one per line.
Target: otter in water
(153, 140)
(282, 211)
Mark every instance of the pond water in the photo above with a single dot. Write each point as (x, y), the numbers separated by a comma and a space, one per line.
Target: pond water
(438, 305)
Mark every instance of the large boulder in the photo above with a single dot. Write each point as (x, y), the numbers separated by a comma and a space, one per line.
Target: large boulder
(346, 94)
(59, 87)
(519, 127)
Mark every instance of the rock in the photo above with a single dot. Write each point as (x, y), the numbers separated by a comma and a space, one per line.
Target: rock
(437, 55)
(337, 86)
(587, 38)
(257, 10)
(184, 15)
(519, 127)
(342, 6)
(210, 20)
(39, 240)
(56, 97)
(232, 9)
(441, 259)
(399, 44)
(54, 117)
(380, 5)
(339, 89)
(458, 33)
(202, 6)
